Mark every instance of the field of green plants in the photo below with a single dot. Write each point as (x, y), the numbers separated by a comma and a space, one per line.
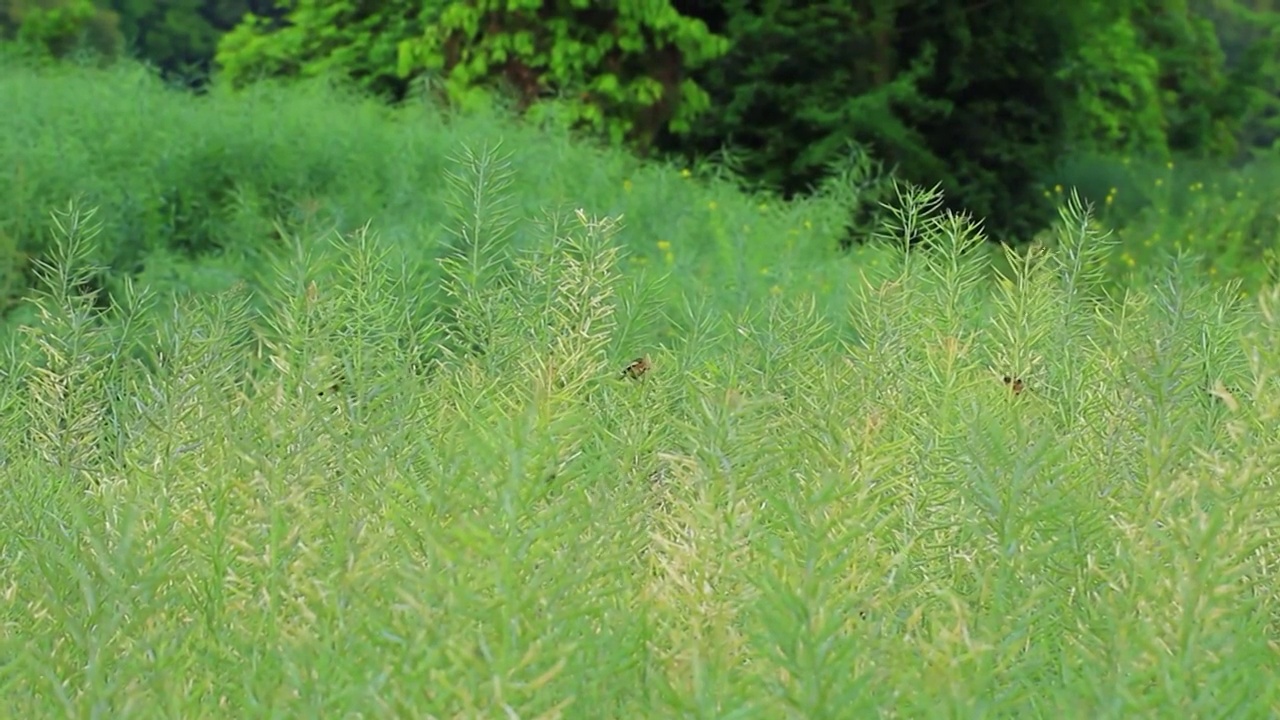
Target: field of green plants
(352, 436)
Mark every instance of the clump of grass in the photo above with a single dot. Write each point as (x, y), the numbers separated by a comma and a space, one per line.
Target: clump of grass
(346, 503)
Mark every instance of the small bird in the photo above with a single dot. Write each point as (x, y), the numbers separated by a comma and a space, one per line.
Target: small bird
(637, 368)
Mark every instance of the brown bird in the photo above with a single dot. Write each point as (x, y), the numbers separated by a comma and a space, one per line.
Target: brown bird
(637, 368)
(1015, 384)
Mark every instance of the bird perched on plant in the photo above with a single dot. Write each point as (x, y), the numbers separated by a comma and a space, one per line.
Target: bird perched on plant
(1015, 384)
(637, 368)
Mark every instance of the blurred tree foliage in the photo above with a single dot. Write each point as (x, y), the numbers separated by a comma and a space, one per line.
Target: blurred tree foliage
(354, 39)
(801, 79)
(619, 68)
(962, 93)
(1199, 110)
(984, 96)
(1249, 33)
(180, 36)
(56, 28)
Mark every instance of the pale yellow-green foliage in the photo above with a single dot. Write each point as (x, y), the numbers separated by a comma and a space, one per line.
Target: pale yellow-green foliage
(333, 505)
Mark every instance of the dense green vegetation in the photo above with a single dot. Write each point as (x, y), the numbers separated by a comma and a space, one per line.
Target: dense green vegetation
(312, 389)
(942, 497)
(193, 192)
(987, 99)
(353, 438)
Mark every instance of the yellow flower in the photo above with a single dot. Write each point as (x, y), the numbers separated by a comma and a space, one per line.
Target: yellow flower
(664, 245)
(1057, 189)
(685, 173)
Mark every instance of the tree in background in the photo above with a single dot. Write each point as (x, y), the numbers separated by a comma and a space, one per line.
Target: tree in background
(55, 28)
(800, 80)
(180, 37)
(996, 68)
(1113, 82)
(352, 39)
(962, 93)
(619, 68)
(984, 96)
(1249, 33)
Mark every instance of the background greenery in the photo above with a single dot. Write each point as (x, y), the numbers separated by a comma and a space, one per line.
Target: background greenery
(985, 98)
(197, 191)
(311, 391)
